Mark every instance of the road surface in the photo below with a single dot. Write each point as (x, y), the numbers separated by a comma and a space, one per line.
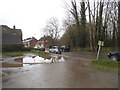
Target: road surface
(74, 72)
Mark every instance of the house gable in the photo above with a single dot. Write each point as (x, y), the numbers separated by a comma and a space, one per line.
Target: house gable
(11, 36)
(46, 41)
(30, 42)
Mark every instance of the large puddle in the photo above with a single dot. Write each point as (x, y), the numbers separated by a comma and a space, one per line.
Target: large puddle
(30, 60)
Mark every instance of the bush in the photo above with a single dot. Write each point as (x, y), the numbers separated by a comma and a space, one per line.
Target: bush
(11, 48)
(27, 48)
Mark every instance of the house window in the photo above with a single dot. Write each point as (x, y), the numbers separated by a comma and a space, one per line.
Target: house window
(46, 41)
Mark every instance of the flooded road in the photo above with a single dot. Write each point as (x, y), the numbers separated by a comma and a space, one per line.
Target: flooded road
(66, 70)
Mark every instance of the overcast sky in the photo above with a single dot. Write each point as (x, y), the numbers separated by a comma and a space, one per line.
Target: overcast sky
(30, 15)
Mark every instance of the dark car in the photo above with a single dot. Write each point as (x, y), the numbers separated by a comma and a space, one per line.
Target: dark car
(64, 48)
(115, 55)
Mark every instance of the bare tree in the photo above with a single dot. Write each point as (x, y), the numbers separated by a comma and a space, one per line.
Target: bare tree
(103, 22)
(91, 26)
(73, 9)
(52, 29)
(83, 36)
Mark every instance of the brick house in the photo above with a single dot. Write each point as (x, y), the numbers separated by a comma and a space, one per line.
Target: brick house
(30, 42)
(45, 41)
(10, 36)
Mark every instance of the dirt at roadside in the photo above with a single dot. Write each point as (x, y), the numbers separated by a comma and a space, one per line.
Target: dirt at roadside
(85, 55)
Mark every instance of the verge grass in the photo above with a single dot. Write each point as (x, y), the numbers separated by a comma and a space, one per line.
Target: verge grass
(109, 65)
(23, 52)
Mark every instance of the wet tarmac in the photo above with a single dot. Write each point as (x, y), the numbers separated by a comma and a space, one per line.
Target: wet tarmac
(66, 70)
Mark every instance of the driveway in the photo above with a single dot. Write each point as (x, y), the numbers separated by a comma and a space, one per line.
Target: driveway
(73, 71)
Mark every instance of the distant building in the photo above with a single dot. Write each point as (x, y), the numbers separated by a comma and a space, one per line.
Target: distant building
(10, 36)
(30, 42)
(45, 41)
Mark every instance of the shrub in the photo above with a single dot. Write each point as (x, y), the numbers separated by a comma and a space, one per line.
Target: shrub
(18, 47)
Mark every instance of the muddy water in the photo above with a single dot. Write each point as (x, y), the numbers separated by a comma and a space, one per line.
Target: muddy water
(75, 72)
(30, 60)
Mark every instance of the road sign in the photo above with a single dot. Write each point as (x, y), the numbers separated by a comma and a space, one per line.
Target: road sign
(100, 43)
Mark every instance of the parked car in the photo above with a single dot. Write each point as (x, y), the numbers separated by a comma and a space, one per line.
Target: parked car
(65, 48)
(40, 48)
(115, 55)
(55, 49)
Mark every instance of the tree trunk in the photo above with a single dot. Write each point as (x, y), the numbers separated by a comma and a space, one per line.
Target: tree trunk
(118, 35)
(90, 28)
(100, 35)
(83, 27)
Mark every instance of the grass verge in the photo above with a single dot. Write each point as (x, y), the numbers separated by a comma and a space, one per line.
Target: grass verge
(23, 52)
(107, 65)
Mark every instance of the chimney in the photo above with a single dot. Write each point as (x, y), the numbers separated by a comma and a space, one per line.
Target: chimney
(14, 27)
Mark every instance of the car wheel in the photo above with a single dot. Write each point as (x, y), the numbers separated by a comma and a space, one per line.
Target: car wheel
(114, 58)
(55, 52)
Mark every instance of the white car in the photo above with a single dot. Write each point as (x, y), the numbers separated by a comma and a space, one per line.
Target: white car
(55, 49)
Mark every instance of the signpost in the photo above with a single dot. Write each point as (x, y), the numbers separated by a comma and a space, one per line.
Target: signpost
(100, 43)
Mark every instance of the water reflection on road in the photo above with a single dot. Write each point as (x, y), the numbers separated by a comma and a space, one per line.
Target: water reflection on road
(40, 60)
(20, 62)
